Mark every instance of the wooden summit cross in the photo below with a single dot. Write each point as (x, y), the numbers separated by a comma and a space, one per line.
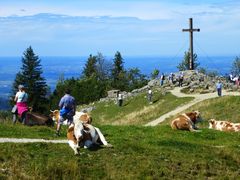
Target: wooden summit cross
(191, 30)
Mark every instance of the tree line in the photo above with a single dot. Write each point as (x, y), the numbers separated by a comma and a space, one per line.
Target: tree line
(98, 76)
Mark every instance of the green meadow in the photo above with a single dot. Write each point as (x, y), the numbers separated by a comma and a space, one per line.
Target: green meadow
(138, 152)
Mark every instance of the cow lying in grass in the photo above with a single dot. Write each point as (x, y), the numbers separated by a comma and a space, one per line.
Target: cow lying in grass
(33, 118)
(81, 133)
(186, 121)
(84, 117)
(224, 125)
(84, 135)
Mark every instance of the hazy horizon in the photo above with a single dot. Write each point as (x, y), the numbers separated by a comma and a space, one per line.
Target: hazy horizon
(134, 27)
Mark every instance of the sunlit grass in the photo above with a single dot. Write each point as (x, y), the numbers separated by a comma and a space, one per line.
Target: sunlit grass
(138, 153)
(136, 110)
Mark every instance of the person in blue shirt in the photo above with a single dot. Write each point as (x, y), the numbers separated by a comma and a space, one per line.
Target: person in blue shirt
(67, 107)
(219, 88)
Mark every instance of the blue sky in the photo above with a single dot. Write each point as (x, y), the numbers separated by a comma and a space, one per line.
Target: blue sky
(133, 27)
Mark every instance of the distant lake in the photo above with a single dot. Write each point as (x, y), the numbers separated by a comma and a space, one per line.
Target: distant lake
(54, 67)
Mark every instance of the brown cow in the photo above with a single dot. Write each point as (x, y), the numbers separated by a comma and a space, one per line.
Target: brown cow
(186, 121)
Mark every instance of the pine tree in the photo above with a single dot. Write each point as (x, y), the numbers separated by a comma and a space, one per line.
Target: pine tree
(30, 76)
(90, 68)
(135, 79)
(184, 65)
(118, 73)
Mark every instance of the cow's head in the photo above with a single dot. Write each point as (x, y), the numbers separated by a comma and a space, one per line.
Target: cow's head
(55, 115)
(211, 123)
(197, 116)
(78, 132)
(85, 118)
(197, 113)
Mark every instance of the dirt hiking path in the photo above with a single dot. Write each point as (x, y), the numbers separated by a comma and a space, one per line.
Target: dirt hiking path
(197, 98)
(26, 140)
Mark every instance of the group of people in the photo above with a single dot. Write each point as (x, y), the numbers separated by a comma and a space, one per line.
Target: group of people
(171, 76)
(67, 107)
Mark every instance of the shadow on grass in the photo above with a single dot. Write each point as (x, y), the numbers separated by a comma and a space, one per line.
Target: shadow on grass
(95, 147)
(156, 100)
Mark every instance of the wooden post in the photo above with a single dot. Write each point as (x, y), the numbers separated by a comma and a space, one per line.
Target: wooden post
(191, 30)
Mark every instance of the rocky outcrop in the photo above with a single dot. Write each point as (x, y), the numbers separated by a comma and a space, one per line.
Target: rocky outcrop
(193, 82)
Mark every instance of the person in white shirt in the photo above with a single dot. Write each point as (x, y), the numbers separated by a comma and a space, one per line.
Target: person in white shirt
(21, 99)
(149, 95)
(120, 99)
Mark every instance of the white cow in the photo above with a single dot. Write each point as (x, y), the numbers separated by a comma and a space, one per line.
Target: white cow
(84, 135)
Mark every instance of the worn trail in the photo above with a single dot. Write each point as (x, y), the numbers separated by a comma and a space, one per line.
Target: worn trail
(26, 140)
(197, 98)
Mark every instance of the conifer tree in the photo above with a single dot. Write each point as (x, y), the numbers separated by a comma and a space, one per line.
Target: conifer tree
(135, 79)
(30, 76)
(118, 73)
(184, 65)
(90, 68)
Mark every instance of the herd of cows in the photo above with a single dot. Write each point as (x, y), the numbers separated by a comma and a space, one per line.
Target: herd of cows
(83, 134)
(187, 121)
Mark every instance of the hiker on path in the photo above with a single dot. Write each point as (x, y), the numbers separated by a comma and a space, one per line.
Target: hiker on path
(149, 95)
(219, 88)
(170, 77)
(67, 110)
(180, 79)
(162, 78)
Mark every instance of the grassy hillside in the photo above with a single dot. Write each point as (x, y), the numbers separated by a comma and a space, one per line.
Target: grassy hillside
(139, 152)
(137, 110)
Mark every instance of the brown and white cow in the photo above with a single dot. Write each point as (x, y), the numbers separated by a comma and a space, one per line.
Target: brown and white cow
(84, 135)
(186, 121)
(84, 117)
(224, 125)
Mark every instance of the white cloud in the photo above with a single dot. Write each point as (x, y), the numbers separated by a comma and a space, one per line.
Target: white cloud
(127, 25)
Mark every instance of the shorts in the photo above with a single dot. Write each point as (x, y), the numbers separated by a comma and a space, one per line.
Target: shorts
(66, 117)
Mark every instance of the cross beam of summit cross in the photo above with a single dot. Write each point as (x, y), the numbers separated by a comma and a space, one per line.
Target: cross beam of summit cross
(191, 30)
